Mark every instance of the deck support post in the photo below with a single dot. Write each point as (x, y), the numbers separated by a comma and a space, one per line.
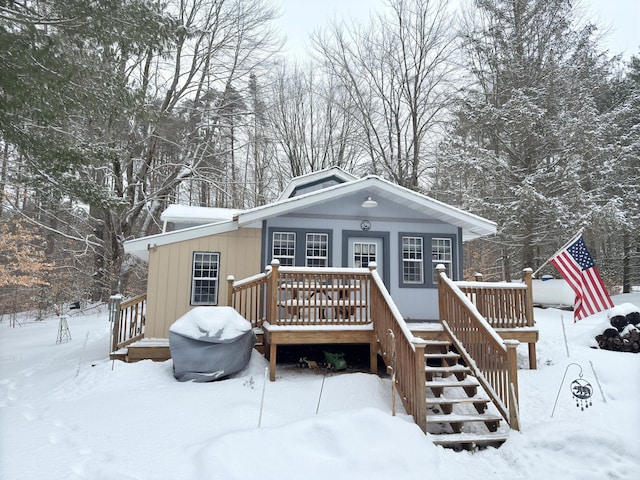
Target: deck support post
(114, 319)
(527, 275)
(512, 381)
(272, 292)
(373, 355)
(273, 352)
(442, 308)
(230, 280)
(420, 390)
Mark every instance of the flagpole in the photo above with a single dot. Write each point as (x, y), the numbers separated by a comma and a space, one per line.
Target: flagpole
(559, 250)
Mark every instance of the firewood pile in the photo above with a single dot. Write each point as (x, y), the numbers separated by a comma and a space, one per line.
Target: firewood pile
(621, 333)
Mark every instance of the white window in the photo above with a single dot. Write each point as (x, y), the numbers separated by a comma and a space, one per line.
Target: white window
(204, 283)
(441, 253)
(284, 248)
(412, 260)
(317, 247)
(363, 254)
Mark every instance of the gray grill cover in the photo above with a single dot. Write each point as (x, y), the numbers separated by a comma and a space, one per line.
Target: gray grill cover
(209, 343)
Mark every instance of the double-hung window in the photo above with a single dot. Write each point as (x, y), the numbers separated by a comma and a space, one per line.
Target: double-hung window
(317, 248)
(412, 260)
(284, 248)
(204, 278)
(441, 253)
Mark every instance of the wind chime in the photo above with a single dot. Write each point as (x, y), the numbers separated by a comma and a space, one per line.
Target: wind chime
(581, 390)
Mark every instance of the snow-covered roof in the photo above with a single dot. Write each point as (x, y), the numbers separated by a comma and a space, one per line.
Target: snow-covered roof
(140, 247)
(473, 226)
(315, 178)
(191, 214)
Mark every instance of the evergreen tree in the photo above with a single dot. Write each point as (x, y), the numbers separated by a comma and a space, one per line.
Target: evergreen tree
(617, 229)
(527, 131)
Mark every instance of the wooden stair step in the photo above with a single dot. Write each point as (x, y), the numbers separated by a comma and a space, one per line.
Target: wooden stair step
(448, 383)
(469, 439)
(445, 356)
(463, 418)
(438, 343)
(456, 401)
(447, 369)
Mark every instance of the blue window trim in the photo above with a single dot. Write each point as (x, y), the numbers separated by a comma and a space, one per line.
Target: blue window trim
(301, 243)
(426, 258)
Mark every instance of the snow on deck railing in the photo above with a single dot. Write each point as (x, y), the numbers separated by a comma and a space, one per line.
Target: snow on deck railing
(127, 320)
(502, 304)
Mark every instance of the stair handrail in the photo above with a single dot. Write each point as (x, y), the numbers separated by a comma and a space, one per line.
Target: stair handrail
(492, 360)
(409, 351)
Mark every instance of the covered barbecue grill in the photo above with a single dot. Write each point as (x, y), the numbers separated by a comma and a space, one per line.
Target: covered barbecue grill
(210, 343)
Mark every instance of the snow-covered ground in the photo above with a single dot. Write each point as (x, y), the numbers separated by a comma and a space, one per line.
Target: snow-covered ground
(66, 412)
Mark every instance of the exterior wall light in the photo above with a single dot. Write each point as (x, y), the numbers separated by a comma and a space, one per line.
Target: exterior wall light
(369, 203)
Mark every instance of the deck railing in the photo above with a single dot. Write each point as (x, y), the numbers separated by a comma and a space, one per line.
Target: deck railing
(248, 296)
(492, 360)
(319, 296)
(127, 320)
(303, 296)
(502, 304)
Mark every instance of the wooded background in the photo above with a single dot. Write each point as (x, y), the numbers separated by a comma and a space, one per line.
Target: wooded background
(110, 110)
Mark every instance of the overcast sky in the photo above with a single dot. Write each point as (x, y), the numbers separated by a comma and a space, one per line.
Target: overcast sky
(301, 17)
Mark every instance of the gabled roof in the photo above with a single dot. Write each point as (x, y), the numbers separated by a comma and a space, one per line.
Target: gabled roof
(473, 226)
(315, 178)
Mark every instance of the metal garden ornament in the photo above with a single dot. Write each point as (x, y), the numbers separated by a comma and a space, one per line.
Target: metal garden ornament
(581, 390)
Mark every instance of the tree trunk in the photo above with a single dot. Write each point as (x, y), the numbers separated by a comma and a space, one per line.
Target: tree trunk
(626, 262)
(3, 175)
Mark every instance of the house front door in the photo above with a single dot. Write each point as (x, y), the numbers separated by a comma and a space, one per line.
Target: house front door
(364, 250)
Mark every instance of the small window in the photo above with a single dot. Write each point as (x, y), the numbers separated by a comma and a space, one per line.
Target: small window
(284, 248)
(204, 284)
(441, 253)
(363, 254)
(317, 250)
(412, 260)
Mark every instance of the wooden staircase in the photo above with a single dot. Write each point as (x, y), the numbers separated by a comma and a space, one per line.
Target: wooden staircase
(459, 414)
(457, 378)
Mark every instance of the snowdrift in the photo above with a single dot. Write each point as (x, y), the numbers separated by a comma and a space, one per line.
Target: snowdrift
(209, 343)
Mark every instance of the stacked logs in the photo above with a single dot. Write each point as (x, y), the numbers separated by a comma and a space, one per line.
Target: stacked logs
(623, 334)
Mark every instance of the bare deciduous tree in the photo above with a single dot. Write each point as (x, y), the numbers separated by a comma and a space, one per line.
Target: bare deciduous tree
(396, 71)
(313, 121)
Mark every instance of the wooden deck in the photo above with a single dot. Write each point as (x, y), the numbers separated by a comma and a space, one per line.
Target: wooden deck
(156, 349)
(275, 335)
(481, 324)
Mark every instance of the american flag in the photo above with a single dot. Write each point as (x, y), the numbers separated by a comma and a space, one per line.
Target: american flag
(576, 266)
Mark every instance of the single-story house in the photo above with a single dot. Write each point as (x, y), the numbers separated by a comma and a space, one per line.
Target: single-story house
(328, 218)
